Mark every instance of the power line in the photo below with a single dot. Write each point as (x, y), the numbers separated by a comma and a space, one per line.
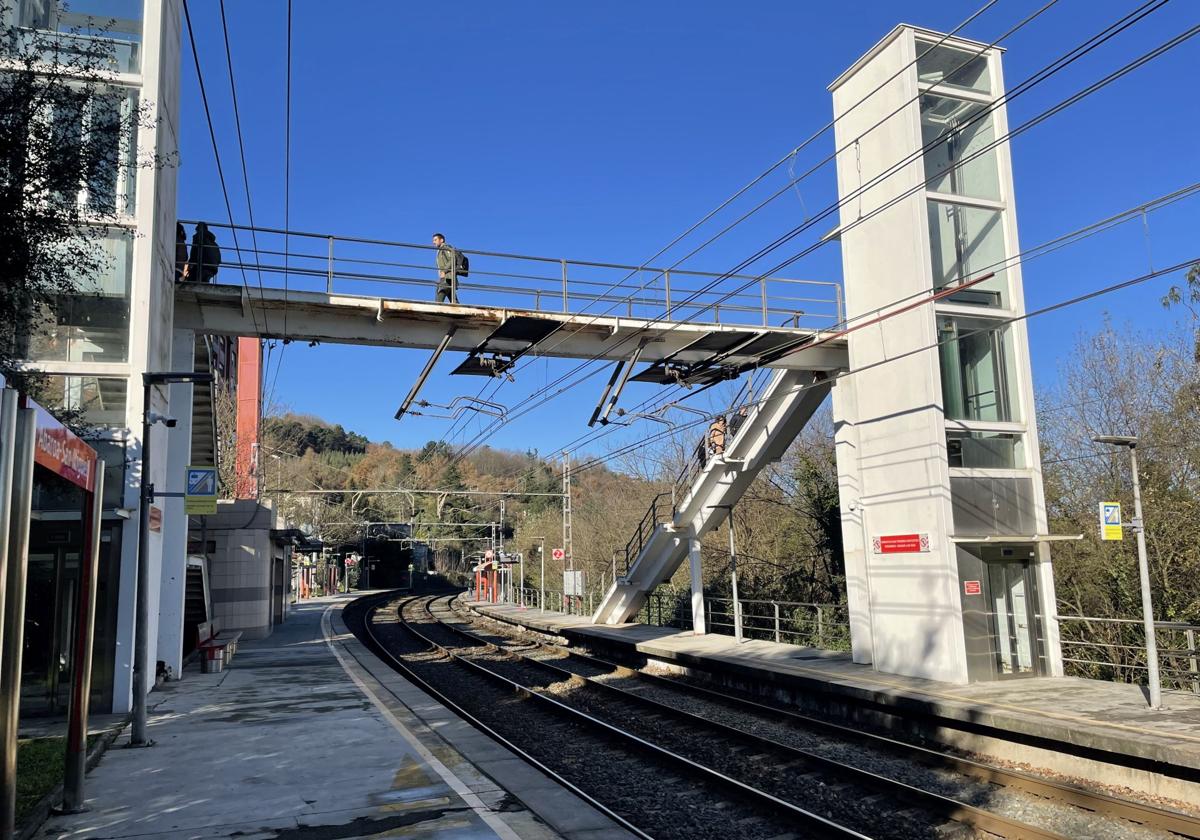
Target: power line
(1000, 322)
(287, 195)
(217, 155)
(1036, 78)
(795, 181)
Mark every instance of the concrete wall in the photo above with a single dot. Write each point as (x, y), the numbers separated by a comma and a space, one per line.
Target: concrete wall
(239, 571)
(891, 447)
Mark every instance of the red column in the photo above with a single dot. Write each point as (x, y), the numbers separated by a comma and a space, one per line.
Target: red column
(249, 416)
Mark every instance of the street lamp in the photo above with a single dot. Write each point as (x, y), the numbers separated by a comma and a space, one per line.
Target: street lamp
(141, 637)
(1130, 442)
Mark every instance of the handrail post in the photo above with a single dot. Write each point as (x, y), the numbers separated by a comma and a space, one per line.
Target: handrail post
(820, 627)
(329, 275)
(1191, 643)
(775, 604)
(564, 284)
(762, 282)
(667, 288)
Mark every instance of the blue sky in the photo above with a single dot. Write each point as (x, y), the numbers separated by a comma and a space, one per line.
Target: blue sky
(601, 131)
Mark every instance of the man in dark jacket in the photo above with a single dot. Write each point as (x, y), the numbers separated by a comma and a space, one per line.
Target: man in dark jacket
(206, 256)
(447, 266)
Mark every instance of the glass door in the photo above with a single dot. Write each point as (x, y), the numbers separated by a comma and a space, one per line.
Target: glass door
(1011, 592)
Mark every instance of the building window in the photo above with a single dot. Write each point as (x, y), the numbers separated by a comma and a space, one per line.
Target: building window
(99, 400)
(98, 128)
(975, 357)
(966, 243)
(950, 68)
(954, 134)
(91, 325)
(985, 450)
(99, 34)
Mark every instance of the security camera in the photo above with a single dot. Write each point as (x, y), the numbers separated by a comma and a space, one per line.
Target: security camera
(166, 420)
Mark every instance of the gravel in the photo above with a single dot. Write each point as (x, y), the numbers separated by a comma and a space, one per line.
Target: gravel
(807, 791)
(656, 797)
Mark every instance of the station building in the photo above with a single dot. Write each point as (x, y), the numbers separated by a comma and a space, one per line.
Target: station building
(94, 348)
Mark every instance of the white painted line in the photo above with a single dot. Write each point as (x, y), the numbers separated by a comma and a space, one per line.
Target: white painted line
(456, 784)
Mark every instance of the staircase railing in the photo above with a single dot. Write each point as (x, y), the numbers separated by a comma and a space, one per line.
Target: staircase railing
(660, 506)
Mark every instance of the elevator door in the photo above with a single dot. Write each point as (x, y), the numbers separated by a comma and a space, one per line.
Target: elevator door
(1010, 587)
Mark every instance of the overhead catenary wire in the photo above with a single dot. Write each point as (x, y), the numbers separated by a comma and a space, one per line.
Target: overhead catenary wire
(791, 155)
(217, 155)
(1036, 78)
(999, 322)
(287, 197)
(1028, 255)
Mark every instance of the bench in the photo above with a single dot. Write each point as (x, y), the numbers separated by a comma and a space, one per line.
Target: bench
(216, 646)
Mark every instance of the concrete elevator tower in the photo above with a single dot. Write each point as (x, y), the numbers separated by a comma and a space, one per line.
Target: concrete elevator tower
(943, 514)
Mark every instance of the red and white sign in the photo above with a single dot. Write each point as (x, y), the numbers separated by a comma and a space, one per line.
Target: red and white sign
(558, 554)
(972, 587)
(58, 449)
(900, 544)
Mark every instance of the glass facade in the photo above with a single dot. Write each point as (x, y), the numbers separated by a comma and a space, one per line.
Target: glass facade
(966, 243)
(99, 400)
(93, 324)
(957, 136)
(98, 34)
(976, 357)
(985, 450)
(951, 67)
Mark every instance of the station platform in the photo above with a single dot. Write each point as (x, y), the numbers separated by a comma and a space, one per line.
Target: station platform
(306, 735)
(1097, 731)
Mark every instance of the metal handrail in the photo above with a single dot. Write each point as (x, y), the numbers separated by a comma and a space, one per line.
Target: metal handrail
(653, 290)
(645, 529)
(1126, 660)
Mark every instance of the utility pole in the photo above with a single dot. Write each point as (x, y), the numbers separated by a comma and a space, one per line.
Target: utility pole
(566, 519)
(1130, 442)
(542, 588)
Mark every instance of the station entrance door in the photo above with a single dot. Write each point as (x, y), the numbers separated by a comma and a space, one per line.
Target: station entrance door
(1000, 611)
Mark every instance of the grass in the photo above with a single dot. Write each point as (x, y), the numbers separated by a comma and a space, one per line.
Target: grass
(40, 769)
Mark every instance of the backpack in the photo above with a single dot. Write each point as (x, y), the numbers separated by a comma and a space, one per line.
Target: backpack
(462, 265)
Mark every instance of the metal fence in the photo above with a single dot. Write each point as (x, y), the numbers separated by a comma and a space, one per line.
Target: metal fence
(1114, 649)
(315, 262)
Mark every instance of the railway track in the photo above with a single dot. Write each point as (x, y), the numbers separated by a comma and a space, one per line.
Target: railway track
(752, 714)
(1039, 802)
(719, 765)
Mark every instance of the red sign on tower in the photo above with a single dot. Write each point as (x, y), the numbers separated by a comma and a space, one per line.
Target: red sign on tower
(900, 543)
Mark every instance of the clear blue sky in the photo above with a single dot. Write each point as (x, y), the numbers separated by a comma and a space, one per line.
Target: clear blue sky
(601, 131)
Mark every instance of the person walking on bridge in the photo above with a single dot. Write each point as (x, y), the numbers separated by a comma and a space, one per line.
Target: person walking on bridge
(447, 266)
(716, 436)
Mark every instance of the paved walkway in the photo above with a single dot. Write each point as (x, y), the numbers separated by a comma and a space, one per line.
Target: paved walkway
(296, 740)
(1089, 713)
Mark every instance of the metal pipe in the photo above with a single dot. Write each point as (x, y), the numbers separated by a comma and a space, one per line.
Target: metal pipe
(81, 670)
(141, 639)
(329, 277)
(1144, 575)
(8, 449)
(14, 615)
(737, 607)
(564, 286)
(428, 369)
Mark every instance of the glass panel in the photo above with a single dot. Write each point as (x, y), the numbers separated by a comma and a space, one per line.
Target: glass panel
(96, 34)
(949, 68)
(1019, 617)
(975, 360)
(93, 325)
(953, 131)
(97, 399)
(1000, 611)
(985, 450)
(112, 453)
(965, 243)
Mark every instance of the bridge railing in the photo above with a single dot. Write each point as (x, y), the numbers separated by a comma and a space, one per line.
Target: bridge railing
(313, 262)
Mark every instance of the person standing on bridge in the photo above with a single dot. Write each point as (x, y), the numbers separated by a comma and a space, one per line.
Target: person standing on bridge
(716, 436)
(447, 265)
(206, 256)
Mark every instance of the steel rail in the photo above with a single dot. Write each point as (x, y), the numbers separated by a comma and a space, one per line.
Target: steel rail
(1153, 816)
(761, 799)
(943, 806)
(381, 650)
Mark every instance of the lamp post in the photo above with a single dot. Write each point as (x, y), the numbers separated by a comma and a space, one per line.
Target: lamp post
(141, 636)
(1130, 442)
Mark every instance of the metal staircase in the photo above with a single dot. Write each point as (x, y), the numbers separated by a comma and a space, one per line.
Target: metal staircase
(709, 489)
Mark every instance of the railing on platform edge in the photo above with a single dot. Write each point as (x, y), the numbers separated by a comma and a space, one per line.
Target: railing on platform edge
(562, 288)
(1126, 661)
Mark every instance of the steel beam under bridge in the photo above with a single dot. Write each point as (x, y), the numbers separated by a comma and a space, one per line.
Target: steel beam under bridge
(222, 309)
